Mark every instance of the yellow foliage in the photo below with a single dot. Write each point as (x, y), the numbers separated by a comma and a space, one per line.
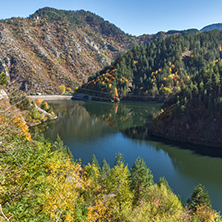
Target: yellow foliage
(12, 123)
(205, 213)
(162, 205)
(62, 89)
(135, 62)
(167, 90)
(97, 212)
(23, 128)
(171, 76)
(62, 186)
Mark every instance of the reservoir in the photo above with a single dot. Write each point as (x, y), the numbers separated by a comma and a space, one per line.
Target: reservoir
(106, 129)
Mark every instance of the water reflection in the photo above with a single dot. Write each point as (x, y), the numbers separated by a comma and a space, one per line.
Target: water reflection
(75, 122)
(122, 116)
(104, 129)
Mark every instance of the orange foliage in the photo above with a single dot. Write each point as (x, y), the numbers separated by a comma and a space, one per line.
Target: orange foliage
(116, 93)
(39, 101)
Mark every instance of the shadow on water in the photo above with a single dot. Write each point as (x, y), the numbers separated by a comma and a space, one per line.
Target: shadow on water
(142, 133)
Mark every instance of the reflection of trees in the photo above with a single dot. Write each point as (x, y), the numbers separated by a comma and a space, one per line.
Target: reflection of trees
(75, 122)
(123, 115)
(194, 161)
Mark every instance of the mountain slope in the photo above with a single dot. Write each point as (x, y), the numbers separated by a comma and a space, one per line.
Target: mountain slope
(157, 69)
(195, 117)
(54, 47)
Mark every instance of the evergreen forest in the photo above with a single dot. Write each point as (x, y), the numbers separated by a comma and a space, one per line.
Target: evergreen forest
(157, 69)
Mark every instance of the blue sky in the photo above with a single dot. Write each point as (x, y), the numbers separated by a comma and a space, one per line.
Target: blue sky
(135, 17)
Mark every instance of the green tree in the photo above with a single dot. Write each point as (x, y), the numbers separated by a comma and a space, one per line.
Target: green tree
(3, 80)
(163, 181)
(199, 197)
(141, 179)
(118, 185)
(105, 171)
(95, 162)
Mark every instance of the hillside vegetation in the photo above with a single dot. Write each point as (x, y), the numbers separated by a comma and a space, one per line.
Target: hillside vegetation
(40, 181)
(195, 113)
(157, 69)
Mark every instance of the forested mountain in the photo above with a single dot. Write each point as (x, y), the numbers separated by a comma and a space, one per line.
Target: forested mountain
(217, 26)
(57, 47)
(54, 47)
(195, 115)
(157, 69)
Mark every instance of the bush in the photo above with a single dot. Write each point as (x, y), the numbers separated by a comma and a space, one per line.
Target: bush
(3, 80)
(62, 89)
(35, 114)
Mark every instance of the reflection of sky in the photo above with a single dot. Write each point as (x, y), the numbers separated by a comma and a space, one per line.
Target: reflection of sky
(183, 168)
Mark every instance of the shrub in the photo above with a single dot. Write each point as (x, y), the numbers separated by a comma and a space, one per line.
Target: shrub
(35, 114)
(62, 89)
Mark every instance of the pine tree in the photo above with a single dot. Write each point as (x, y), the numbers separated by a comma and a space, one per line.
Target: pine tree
(95, 162)
(141, 179)
(105, 171)
(199, 197)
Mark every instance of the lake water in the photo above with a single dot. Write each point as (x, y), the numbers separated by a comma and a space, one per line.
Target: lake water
(106, 129)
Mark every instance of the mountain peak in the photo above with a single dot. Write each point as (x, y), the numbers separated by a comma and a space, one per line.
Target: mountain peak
(212, 27)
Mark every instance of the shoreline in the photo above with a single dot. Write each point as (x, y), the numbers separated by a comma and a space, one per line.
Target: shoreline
(81, 96)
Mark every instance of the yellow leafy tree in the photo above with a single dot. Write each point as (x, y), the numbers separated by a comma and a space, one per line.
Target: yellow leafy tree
(161, 205)
(120, 196)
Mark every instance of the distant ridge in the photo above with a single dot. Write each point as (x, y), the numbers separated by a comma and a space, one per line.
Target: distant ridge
(212, 27)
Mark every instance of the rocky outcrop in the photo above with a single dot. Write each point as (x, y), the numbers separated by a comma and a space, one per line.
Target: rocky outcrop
(3, 95)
